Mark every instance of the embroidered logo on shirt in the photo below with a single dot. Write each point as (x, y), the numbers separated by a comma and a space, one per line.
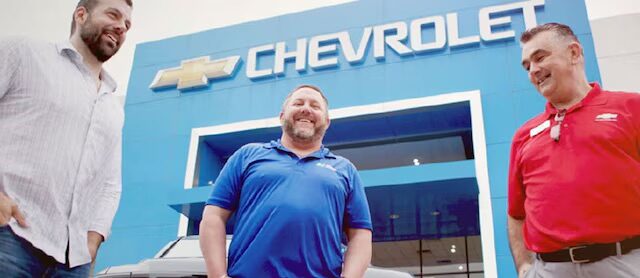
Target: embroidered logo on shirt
(324, 165)
(607, 117)
(536, 130)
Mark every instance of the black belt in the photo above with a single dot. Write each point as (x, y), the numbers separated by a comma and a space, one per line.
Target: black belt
(592, 252)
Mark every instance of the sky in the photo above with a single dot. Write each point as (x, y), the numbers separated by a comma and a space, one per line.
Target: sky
(158, 19)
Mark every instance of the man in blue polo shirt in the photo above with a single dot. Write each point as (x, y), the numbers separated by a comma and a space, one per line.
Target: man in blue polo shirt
(293, 200)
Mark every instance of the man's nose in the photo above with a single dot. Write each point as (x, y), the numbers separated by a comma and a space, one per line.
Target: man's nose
(306, 108)
(120, 27)
(533, 67)
(533, 71)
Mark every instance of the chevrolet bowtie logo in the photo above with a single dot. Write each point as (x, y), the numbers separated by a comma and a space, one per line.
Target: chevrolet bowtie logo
(195, 72)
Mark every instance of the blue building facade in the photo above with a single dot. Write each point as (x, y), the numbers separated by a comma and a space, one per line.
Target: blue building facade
(424, 96)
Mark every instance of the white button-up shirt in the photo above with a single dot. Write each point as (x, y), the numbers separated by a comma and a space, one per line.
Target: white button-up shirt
(60, 146)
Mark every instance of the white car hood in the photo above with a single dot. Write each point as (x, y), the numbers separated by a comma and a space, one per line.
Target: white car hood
(166, 267)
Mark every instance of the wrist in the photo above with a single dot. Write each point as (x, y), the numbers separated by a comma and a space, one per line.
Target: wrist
(524, 267)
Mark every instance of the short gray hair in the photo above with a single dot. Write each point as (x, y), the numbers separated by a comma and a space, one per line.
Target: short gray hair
(559, 28)
(312, 87)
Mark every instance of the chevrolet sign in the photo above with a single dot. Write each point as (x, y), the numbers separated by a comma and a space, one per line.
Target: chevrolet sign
(321, 51)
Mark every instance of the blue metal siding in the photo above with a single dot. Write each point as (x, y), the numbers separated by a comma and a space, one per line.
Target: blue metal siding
(158, 123)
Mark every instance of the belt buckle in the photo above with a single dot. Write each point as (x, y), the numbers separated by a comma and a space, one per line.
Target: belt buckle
(572, 256)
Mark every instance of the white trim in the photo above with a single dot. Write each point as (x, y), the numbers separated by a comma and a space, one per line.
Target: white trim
(339, 113)
(484, 187)
(479, 146)
(191, 159)
(183, 225)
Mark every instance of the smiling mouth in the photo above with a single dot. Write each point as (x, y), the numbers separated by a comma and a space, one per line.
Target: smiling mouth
(543, 79)
(305, 121)
(111, 38)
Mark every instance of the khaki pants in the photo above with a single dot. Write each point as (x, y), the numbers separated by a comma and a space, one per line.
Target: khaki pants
(625, 266)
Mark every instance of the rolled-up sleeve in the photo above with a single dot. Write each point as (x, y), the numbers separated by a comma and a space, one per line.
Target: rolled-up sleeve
(107, 203)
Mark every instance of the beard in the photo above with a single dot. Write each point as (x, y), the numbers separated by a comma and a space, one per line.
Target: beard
(91, 35)
(303, 134)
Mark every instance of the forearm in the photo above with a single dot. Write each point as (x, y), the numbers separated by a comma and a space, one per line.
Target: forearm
(521, 256)
(94, 240)
(213, 245)
(358, 256)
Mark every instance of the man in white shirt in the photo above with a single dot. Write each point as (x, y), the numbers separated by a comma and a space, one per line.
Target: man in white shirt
(60, 145)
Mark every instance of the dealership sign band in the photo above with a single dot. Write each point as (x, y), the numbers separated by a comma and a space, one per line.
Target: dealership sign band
(321, 51)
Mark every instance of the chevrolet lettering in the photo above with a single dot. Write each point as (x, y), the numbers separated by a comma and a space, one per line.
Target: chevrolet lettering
(322, 51)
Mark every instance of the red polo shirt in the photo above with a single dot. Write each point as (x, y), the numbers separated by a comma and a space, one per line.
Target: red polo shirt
(584, 188)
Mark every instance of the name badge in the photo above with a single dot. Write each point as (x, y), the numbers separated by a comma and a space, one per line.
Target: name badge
(536, 130)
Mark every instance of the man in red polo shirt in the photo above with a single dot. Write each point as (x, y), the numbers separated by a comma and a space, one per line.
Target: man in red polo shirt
(574, 175)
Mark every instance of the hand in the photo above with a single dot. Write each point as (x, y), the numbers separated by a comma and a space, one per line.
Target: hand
(524, 268)
(8, 209)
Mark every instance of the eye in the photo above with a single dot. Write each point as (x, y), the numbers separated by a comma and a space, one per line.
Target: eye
(539, 58)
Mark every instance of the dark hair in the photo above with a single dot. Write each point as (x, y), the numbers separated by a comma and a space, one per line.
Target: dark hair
(559, 28)
(88, 5)
(312, 87)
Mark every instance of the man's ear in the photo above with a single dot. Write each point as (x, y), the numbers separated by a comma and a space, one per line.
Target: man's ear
(80, 15)
(576, 52)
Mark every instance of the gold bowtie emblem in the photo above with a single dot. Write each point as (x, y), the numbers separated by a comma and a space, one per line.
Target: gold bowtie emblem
(195, 73)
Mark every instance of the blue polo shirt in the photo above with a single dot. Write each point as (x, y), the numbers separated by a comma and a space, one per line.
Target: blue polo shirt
(291, 212)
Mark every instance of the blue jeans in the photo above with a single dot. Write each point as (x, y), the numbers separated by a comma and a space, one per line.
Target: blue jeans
(18, 258)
